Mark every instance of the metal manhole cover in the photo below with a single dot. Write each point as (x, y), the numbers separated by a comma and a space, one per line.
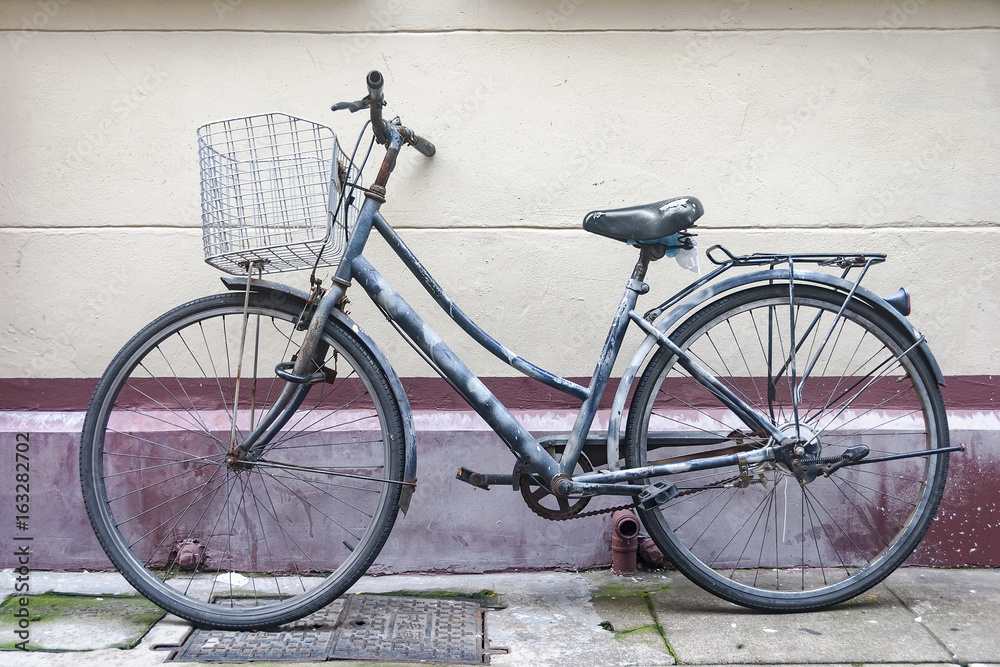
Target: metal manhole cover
(306, 640)
(359, 627)
(424, 629)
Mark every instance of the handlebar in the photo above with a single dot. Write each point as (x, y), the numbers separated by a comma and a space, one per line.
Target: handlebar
(382, 129)
(374, 81)
(422, 145)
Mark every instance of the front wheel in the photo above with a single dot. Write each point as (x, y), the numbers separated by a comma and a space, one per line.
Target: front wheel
(762, 539)
(251, 544)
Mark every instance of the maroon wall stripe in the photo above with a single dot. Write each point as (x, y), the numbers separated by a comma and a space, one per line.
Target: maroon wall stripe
(964, 392)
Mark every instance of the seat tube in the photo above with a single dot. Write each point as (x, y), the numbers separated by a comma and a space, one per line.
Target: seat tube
(602, 373)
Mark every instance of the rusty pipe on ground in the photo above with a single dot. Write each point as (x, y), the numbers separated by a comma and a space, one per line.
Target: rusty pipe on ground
(624, 542)
(650, 553)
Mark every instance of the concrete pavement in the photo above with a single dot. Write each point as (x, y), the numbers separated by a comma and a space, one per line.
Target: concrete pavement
(917, 616)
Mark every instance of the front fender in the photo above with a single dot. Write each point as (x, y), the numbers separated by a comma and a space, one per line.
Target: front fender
(695, 300)
(409, 438)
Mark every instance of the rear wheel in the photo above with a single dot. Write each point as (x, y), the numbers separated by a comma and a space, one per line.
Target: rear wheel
(253, 544)
(775, 544)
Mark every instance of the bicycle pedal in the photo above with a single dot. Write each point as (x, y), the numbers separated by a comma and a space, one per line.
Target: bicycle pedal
(656, 494)
(476, 479)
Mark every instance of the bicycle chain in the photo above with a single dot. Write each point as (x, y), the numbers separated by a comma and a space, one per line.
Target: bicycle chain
(621, 507)
(581, 514)
(721, 483)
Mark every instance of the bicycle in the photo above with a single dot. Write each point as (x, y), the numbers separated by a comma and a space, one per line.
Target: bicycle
(245, 455)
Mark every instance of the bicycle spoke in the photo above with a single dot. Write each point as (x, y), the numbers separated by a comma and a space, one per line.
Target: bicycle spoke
(759, 537)
(202, 530)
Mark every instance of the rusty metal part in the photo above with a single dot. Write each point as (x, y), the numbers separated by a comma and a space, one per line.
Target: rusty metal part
(650, 553)
(533, 493)
(239, 361)
(583, 515)
(562, 485)
(624, 542)
(190, 553)
(525, 481)
(310, 306)
(377, 191)
(716, 485)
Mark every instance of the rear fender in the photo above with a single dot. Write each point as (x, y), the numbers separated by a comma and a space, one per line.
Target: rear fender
(709, 293)
(410, 441)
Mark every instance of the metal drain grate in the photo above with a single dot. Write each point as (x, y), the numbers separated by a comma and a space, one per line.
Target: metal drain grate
(425, 629)
(361, 627)
(306, 640)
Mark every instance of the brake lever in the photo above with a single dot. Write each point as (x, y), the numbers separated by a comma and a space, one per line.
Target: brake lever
(353, 107)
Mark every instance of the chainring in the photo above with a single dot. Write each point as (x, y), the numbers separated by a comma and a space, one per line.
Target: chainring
(534, 493)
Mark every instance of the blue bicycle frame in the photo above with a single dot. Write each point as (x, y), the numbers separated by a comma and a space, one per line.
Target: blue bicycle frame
(555, 475)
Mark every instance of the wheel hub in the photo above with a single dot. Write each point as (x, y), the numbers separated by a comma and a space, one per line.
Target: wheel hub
(794, 461)
(807, 441)
(798, 460)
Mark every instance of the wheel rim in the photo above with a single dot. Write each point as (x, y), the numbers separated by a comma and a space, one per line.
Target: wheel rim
(275, 538)
(786, 541)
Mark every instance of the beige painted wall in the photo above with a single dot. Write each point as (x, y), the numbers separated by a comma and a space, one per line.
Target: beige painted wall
(821, 126)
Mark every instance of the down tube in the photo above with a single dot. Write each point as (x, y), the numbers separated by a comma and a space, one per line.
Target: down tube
(471, 388)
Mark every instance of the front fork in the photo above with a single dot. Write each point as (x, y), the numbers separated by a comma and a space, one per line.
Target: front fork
(298, 382)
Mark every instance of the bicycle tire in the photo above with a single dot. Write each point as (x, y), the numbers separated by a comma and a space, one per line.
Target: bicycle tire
(255, 545)
(786, 546)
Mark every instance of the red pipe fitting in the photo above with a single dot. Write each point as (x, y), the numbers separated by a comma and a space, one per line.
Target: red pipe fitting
(650, 553)
(624, 542)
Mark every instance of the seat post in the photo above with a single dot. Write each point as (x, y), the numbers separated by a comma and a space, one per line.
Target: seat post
(647, 254)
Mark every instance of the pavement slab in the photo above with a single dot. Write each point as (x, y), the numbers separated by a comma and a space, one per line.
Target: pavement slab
(549, 620)
(960, 609)
(625, 605)
(80, 583)
(77, 622)
(875, 627)
(562, 618)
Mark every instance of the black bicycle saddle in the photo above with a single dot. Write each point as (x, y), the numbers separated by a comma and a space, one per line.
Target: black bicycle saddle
(649, 223)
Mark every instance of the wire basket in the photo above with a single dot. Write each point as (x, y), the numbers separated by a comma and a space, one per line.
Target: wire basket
(273, 194)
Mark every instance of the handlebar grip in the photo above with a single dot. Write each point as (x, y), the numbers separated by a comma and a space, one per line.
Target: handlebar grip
(375, 101)
(375, 83)
(423, 146)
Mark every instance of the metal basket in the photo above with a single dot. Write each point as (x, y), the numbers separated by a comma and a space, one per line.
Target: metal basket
(271, 194)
